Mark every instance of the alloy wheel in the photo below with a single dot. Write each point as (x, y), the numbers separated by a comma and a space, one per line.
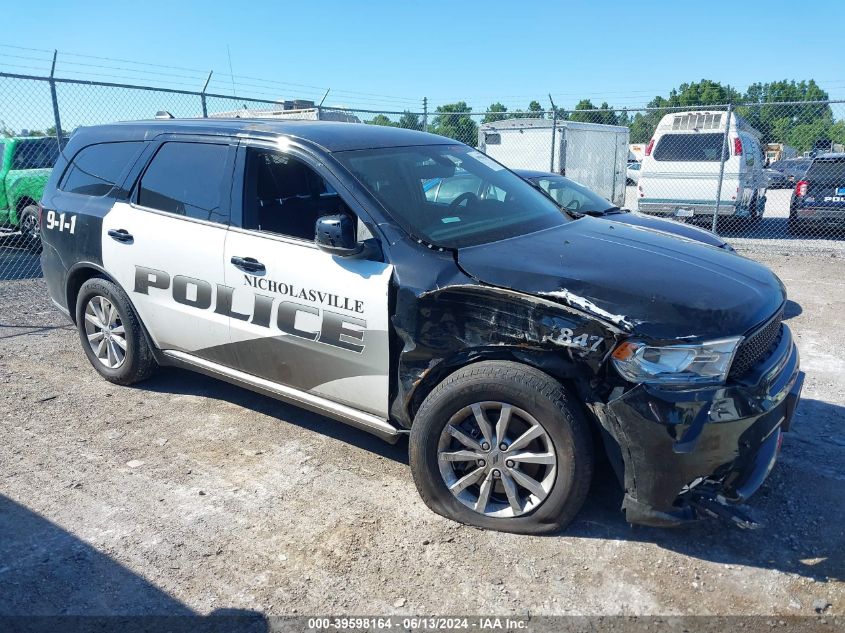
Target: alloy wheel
(497, 459)
(105, 332)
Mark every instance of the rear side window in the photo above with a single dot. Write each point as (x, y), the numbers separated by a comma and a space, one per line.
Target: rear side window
(188, 179)
(40, 153)
(690, 147)
(97, 168)
(827, 172)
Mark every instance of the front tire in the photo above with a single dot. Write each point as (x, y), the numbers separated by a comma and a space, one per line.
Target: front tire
(502, 446)
(111, 333)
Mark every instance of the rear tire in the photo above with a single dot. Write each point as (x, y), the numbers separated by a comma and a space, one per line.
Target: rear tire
(560, 455)
(111, 333)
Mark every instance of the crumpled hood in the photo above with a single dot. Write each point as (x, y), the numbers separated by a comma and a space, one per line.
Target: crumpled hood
(643, 281)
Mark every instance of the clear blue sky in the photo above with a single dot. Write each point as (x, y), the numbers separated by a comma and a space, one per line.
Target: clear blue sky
(398, 52)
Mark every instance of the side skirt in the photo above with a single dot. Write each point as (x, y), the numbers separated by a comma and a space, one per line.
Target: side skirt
(342, 413)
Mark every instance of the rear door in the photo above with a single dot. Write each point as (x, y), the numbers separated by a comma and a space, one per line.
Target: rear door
(686, 168)
(301, 317)
(165, 244)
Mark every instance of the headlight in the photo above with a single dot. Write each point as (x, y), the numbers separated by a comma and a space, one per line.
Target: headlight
(703, 364)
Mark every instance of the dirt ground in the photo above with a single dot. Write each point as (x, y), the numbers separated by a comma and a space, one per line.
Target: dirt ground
(186, 495)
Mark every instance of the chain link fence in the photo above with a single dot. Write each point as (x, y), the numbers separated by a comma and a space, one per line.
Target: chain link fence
(760, 175)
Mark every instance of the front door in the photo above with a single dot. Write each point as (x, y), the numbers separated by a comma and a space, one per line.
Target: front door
(299, 316)
(165, 247)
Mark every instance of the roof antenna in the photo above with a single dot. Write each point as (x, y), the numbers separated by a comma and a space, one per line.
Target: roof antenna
(164, 114)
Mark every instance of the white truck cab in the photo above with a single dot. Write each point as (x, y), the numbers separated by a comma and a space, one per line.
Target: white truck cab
(682, 164)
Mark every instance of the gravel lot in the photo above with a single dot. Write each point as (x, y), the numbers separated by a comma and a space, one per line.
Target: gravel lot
(186, 495)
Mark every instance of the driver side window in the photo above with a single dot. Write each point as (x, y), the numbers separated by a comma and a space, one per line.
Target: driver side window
(285, 196)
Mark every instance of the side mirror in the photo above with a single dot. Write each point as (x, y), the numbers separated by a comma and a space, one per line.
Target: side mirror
(336, 234)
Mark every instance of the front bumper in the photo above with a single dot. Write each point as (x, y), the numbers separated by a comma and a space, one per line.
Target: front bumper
(718, 443)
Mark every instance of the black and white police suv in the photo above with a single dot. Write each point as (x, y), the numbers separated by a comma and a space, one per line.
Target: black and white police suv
(307, 261)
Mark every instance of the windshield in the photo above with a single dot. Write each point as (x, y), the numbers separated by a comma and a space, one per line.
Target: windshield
(572, 196)
(451, 195)
(39, 153)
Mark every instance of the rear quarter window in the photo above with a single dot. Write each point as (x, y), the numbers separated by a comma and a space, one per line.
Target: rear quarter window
(689, 147)
(97, 168)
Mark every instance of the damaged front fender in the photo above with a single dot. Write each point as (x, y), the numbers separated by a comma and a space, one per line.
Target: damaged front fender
(448, 327)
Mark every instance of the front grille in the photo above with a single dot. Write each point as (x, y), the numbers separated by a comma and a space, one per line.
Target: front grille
(758, 346)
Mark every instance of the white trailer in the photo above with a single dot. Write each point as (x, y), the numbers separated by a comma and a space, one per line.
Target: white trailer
(594, 155)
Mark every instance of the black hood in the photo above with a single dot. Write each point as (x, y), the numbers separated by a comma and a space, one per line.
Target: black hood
(653, 284)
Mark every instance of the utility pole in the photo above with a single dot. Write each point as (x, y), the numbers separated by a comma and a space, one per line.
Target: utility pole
(425, 114)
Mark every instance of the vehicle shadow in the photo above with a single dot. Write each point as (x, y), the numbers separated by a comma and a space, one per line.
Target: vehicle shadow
(791, 310)
(184, 382)
(801, 508)
(53, 581)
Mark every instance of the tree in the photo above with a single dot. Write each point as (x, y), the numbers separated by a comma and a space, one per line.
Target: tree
(703, 93)
(453, 120)
(381, 119)
(535, 109)
(410, 121)
(778, 121)
(495, 112)
(603, 114)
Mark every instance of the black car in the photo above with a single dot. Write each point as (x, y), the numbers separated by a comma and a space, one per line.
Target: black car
(792, 170)
(507, 340)
(818, 202)
(577, 199)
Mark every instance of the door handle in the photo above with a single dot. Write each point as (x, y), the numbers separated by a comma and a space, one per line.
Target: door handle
(121, 235)
(249, 264)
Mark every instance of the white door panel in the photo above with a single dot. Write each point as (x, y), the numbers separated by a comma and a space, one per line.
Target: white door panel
(311, 321)
(170, 272)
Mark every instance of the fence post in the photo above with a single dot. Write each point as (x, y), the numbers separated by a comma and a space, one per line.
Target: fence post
(57, 119)
(554, 130)
(725, 150)
(202, 95)
(425, 114)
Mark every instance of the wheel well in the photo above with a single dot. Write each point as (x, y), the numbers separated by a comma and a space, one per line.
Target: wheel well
(24, 202)
(74, 282)
(551, 363)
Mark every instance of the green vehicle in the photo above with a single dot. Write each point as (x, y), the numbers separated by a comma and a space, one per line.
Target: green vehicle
(24, 170)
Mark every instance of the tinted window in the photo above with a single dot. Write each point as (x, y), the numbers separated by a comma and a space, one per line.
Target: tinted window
(689, 147)
(827, 172)
(40, 153)
(187, 179)
(97, 168)
(284, 195)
